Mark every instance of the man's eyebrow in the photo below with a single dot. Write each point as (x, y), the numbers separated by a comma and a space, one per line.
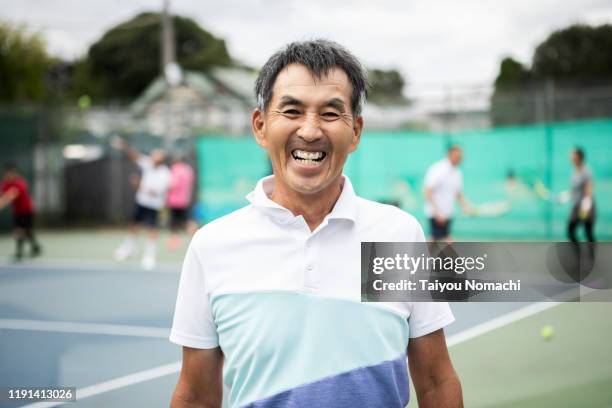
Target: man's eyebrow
(336, 103)
(289, 100)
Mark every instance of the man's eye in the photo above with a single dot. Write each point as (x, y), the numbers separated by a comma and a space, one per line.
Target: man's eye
(330, 115)
(291, 112)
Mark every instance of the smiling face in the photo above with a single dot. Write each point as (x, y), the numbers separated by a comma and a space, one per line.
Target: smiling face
(308, 130)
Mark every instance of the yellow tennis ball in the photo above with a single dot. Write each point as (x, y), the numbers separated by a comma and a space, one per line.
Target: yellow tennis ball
(547, 332)
(84, 101)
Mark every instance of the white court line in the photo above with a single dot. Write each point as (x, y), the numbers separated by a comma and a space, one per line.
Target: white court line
(87, 265)
(116, 383)
(499, 322)
(84, 328)
(512, 317)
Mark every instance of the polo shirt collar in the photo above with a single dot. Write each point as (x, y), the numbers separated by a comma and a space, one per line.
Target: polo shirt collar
(345, 207)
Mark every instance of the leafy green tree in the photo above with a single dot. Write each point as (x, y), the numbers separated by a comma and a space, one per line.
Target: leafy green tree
(512, 101)
(386, 86)
(127, 58)
(571, 59)
(23, 65)
(579, 53)
(511, 74)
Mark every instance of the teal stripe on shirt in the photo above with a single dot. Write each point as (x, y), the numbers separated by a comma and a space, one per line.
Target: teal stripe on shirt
(275, 341)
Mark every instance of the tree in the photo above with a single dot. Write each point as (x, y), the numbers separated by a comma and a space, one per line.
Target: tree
(577, 54)
(555, 87)
(23, 65)
(127, 58)
(512, 101)
(512, 74)
(386, 86)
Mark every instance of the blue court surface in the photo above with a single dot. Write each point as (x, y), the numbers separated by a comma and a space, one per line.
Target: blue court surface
(102, 327)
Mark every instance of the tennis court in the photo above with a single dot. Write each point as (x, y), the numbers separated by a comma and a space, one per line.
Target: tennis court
(75, 318)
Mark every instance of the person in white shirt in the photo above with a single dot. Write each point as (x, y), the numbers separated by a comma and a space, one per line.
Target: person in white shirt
(150, 199)
(443, 187)
(269, 299)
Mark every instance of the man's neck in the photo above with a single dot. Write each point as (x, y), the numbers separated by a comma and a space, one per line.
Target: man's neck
(313, 207)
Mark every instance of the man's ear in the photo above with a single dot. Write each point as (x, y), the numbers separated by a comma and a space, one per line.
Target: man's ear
(357, 129)
(258, 127)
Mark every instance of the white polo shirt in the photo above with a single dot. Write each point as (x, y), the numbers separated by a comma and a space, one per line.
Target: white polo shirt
(283, 303)
(154, 184)
(446, 182)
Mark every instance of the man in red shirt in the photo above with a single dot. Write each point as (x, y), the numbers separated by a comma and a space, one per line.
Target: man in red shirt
(14, 191)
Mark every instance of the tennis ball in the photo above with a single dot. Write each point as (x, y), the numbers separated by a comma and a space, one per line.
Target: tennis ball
(84, 102)
(547, 332)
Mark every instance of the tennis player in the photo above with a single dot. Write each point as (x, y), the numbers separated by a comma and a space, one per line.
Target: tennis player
(14, 191)
(443, 187)
(270, 294)
(150, 199)
(583, 205)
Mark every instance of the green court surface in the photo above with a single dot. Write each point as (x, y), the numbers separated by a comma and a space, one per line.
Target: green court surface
(513, 366)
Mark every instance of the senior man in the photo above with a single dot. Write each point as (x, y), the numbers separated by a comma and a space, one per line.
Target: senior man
(270, 294)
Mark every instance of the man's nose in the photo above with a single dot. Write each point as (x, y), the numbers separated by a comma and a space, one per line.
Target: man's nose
(310, 129)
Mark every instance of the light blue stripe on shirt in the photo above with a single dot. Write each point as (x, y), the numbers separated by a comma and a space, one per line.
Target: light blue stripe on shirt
(278, 341)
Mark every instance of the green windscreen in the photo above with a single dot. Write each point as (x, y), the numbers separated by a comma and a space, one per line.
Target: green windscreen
(501, 165)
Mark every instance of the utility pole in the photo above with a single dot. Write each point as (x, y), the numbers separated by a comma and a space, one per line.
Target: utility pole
(168, 54)
(169, 70)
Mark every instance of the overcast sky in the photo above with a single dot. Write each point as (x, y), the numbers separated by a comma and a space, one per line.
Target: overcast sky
(434, 43)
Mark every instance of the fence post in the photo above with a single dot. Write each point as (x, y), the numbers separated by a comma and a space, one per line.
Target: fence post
(549, 101)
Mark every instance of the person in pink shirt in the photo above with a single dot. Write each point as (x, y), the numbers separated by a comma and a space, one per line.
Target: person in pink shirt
(179, 198)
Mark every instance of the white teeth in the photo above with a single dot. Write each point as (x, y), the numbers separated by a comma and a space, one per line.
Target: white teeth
(307, 162)
(304, 155)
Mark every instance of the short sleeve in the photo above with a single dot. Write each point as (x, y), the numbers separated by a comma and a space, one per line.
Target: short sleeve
(193, 324)
(16, 186)
(427, 317)
(419, 234)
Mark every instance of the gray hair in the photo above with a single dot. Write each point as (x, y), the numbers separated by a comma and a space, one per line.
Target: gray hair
(320, 57)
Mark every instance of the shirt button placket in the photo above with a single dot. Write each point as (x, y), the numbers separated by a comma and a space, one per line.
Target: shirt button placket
(310, 280)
